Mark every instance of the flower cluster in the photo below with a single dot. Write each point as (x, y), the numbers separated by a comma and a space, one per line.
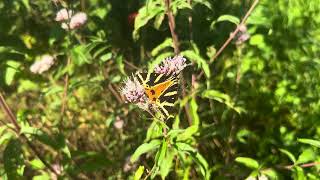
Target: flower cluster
(43, 65)
(70, 20)
(133, 90)
(171, 66)
(243, 35)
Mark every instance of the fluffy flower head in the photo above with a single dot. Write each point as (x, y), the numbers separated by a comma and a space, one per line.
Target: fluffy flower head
(43, 65)
(134, 92)
(171, 66)
(63, 15)
(78, 20)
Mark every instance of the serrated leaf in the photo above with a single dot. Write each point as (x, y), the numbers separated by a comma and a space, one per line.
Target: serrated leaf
(289, 154)
(310, 141)
(144, 148)
(248, 162)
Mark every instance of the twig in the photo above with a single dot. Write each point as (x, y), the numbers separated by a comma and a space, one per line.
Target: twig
(233, 34)
(131, 65)
(172, 26)
(175, 39)
(114, 92)
(289, 167)
(14, 121)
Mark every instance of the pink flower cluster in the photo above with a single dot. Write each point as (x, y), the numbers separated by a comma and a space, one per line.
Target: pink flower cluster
(243, 35)
(171, 66)
(134, 92)
(70, 21)
(43, 65)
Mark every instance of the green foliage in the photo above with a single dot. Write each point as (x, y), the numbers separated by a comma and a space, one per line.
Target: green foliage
(253, 114)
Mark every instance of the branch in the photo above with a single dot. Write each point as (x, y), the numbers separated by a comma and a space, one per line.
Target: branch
(172, 26)
(233, 34)
(175, 39)
(14, 121)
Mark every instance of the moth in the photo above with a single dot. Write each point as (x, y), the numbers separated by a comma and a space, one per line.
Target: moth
(161, 91)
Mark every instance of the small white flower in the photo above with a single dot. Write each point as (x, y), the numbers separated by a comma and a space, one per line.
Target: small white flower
(63, 15)
(118, 124)
(43, 65)
(64, 26)
(171, 66)
(78, 20)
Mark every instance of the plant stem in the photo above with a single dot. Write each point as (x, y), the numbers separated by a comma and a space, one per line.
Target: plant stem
(172, 25)
(233, 34)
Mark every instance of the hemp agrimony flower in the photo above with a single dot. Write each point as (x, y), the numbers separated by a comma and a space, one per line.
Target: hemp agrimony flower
(134, 92)
(43, 65)
(171, 66)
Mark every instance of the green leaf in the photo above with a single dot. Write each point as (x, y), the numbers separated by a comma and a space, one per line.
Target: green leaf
(11, 70)
(165, 44)
(229, 18)
(162, 152)
(271, 173)
(13, 160)
(193, 110)
(158, 21)
(145, 14)
(80, 55)
(306, 156)
(222, 98)
(289, 154)
(310, 141)
(37, 164)
(154, 131)
(299, 174)
(248, 162)
(188, 133)
(138, 173)
(194, 57)
(44, 176)
(144, 148)
(205, 3)
(167, 163)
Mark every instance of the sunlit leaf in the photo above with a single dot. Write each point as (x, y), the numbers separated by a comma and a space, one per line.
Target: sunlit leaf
(249, 162)
(144, 148)
(138, 174)
(312, 142)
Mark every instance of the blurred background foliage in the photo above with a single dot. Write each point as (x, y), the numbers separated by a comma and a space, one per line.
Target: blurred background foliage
(254, 114)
